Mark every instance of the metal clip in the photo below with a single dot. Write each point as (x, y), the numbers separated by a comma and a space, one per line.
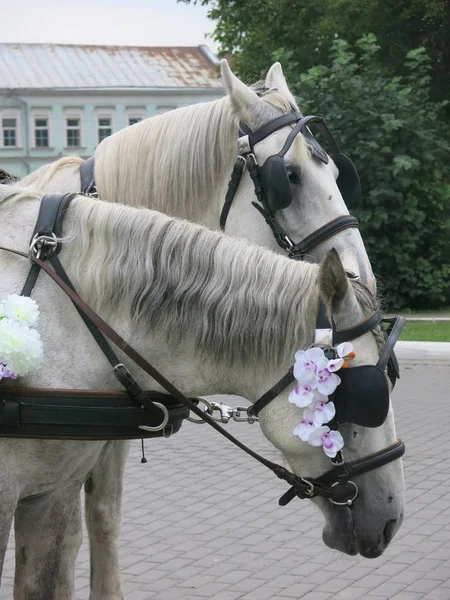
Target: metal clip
(226, 412)
(243, 409)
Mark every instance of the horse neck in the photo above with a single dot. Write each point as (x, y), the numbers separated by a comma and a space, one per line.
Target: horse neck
(179, 163)
(213, 314)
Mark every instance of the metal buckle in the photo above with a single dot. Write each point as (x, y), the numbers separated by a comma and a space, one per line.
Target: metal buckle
(43, 243)
(164, 421)
(244, 145)
(348, 502)
(338, 460)
(309, 493)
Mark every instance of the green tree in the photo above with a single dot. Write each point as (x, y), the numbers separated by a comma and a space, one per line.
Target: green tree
(394, 134)
(253, 32)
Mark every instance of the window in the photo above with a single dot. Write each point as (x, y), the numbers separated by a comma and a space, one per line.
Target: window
(104, 128)
(163, 109)
(41, 132)
(73, 131)
(9, 132)
(135, 114)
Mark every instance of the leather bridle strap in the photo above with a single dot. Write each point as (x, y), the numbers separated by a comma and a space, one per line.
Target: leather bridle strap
(341, 474)
(322, 234)
(233, 184)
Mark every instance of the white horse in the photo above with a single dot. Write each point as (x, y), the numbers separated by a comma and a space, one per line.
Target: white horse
(181, 162)
(161, 282)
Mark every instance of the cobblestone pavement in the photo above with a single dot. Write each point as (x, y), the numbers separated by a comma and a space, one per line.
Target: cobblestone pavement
(201, 519)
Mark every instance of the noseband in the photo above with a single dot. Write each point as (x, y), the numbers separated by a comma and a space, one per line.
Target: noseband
(271, 181)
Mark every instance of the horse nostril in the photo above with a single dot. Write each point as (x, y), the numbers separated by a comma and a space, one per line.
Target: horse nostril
(389, 530)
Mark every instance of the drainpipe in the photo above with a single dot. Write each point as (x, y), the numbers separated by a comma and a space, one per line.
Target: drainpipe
(26, 129)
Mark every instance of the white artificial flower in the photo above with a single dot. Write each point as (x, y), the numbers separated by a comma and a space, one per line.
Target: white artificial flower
(20, 347)
(22, 309)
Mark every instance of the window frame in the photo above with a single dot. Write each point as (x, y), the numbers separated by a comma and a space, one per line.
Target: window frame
(11, 114)
(103, 114)
(42, 114)
(135, 113)
(73, 114)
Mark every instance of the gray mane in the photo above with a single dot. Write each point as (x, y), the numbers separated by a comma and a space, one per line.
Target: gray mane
(237, 302)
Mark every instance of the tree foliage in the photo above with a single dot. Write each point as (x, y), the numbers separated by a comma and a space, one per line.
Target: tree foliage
(252, 32)
(394, 134)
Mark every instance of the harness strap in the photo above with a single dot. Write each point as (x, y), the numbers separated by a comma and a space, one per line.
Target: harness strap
(236, 175)
(323, 233)
(273, 126)
(348, 470)
(48, 225)
(87, 177)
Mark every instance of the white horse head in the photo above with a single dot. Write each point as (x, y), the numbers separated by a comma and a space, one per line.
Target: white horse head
(162, 282)
(180, 163)
(378, 510)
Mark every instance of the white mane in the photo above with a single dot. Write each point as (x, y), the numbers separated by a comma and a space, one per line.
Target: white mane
(174, 162)
(236, 301)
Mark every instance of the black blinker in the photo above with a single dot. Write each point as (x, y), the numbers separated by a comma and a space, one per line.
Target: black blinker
(362, 397)
(275, 183)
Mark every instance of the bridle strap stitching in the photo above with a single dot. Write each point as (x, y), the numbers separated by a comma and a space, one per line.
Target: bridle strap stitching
(324, 232)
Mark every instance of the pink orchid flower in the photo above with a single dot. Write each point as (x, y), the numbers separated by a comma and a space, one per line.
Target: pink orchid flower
(331, 441)
(306, 426)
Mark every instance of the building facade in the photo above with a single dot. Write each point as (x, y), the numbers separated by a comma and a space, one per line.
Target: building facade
(57, 100)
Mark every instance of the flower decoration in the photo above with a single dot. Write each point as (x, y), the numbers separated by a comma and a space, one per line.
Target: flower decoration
(316, 381)
(20, 344)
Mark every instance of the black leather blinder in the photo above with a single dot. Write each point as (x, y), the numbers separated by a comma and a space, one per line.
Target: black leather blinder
(348, 180)
(362, 397)
(275, 183)
(274, 178)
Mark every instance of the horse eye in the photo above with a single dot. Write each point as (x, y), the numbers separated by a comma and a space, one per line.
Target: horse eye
(294, 175)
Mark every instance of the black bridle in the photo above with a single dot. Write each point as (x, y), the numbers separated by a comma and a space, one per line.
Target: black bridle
(335, 484)
(271, 182)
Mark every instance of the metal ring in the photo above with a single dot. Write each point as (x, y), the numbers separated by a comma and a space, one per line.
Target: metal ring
(308, 493)
(208, 410)
(44, 240)
(348, 502)
(164, 421)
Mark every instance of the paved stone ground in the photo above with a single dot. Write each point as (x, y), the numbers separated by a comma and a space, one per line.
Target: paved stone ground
(201, 520)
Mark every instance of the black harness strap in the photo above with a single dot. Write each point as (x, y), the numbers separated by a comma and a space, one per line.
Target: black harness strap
(47, 229)
(236, 175)
(87, 176)
(323, 233)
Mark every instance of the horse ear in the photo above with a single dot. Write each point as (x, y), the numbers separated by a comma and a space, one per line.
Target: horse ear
(275, 79)
(349, 261)
(246, 103)
(334, 287)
